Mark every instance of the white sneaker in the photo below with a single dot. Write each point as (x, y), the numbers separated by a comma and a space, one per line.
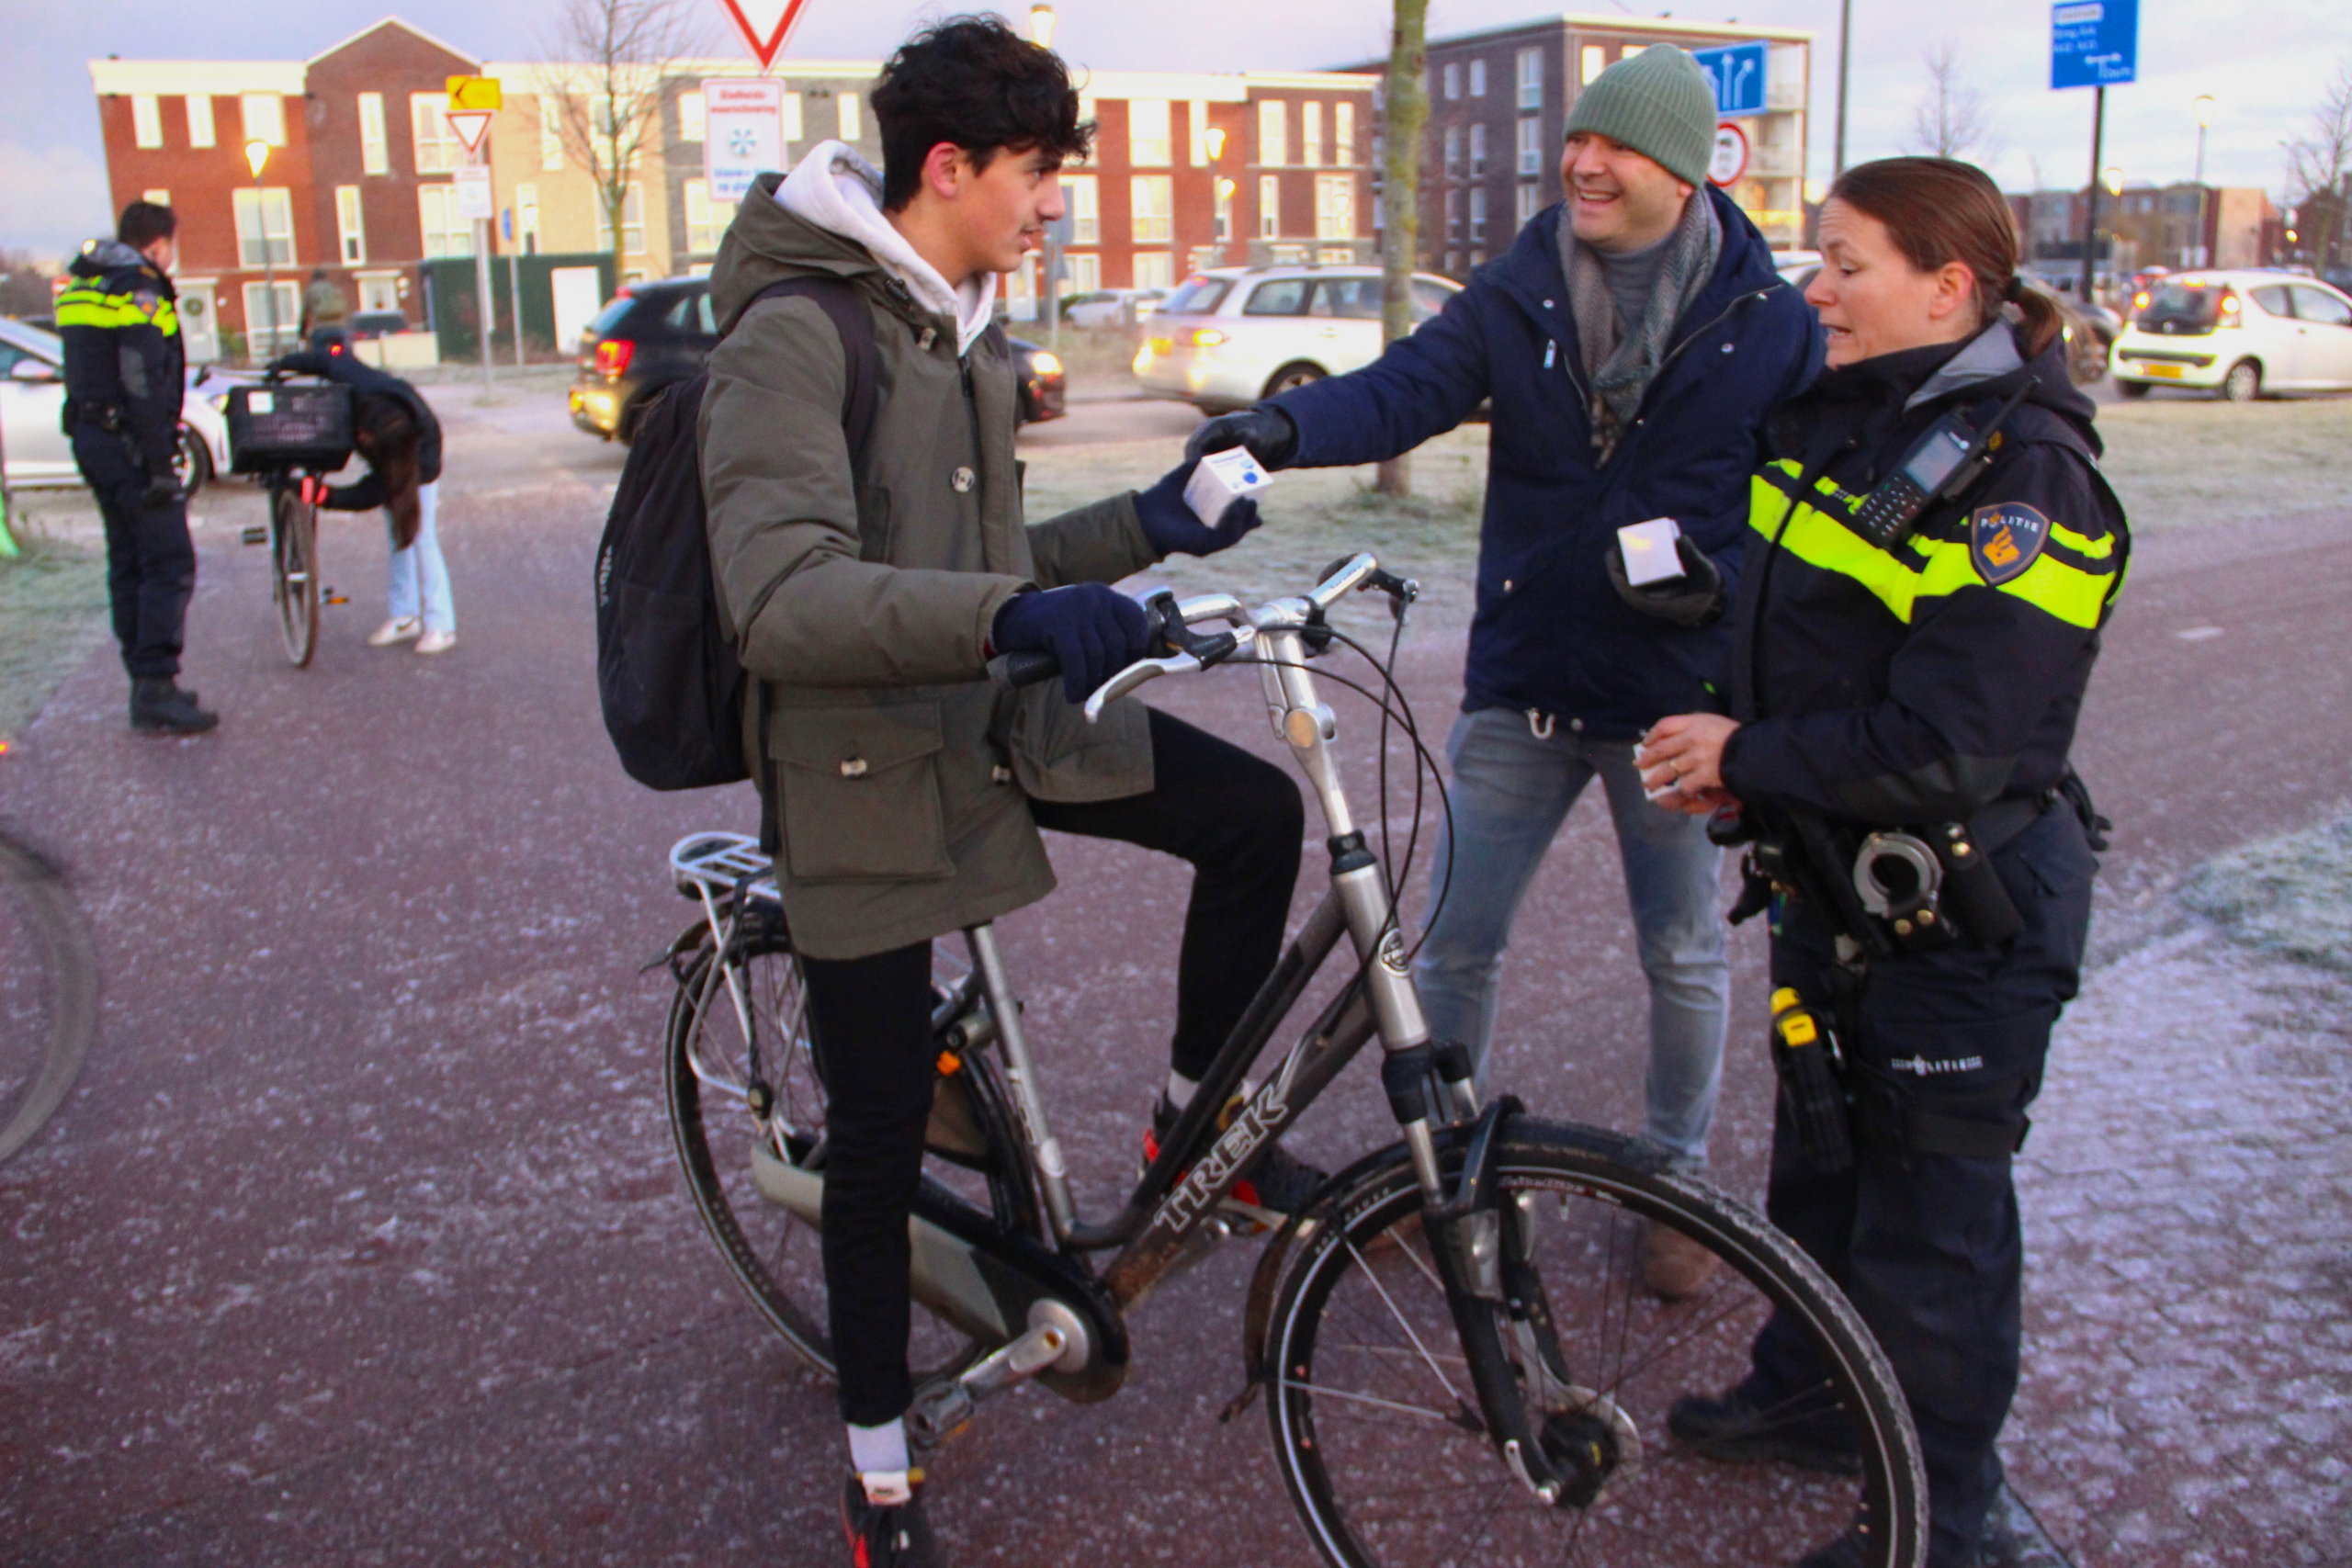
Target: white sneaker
(437, 642)
(394, 631)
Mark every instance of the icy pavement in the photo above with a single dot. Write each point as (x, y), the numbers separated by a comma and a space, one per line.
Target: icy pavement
(2187, 1196)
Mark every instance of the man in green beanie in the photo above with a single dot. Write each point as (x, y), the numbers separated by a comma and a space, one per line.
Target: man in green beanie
(1631, 340)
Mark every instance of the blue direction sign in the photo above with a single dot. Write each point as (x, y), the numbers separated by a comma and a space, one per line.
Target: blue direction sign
(1737, 71)
(2094, 43)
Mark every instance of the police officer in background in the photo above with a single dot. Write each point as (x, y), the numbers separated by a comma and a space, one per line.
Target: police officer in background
(1935, 555)
(124, 381)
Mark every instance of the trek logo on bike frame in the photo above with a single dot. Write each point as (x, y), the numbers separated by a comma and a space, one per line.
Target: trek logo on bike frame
(1264, 1116)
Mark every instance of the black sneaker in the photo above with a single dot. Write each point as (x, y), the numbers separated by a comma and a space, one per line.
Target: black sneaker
(1735, 1432)
(887, 1535)
(1277, 1184)
(160, 707)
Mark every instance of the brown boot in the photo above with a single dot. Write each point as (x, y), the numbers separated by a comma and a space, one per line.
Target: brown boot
(1673, 1266)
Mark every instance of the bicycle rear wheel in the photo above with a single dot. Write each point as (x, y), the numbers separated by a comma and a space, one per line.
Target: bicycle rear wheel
(49, 994)
(747, 1109)
(295, 534)
(1378, 1429)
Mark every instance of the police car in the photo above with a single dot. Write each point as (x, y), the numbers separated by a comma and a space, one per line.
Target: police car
(2238, 334)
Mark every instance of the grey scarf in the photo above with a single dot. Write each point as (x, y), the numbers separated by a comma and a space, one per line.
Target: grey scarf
(1620, 368)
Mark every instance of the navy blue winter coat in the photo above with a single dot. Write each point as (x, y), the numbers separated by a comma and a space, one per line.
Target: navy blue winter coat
(1549, 633)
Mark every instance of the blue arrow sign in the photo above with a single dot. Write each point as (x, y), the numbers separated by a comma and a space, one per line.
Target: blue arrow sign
(1737, 71)
(2094, 43)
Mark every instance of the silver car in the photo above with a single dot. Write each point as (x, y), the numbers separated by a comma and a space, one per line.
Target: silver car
(32, 396)
(1232, 336)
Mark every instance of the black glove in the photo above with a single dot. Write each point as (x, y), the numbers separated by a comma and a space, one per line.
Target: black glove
(161, 491)
(1175, 529)
(1269, 432)
(1096, 630)
(1694, 599)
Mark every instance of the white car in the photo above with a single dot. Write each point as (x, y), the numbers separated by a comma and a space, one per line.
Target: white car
(2239, 334)
(32, 396)
(1232, 336)
(1796, 267)
(1111, 306)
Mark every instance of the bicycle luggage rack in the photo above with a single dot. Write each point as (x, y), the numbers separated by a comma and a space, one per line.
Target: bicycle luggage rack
(709, 865)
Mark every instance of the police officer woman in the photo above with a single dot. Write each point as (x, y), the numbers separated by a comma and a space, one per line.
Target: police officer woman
(1936, 556)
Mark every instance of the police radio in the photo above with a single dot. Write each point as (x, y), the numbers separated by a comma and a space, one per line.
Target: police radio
(1941, 466)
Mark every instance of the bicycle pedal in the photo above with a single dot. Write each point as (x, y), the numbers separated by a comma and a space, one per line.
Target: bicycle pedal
(332, 597)
(254, 536)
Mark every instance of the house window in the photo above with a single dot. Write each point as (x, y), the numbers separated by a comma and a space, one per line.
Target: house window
(1085, 210)
(1085, 274)
(1335, 207)
(1153, 209)
(379, 294)
(1525, 207)
(1155, 269)
(374, 155)
(1452, 218)
(438, 150)
(199, 120)
(526, 218)
(1274, 134)
(160, 197)
(351, 226)
(1196, 125)
(1452, 149)
(445, 233)
(1477, 149)
(146, 120)
(265, 116)
(632, 222)
(1148, 132)
(1478, 213)
(851, 111)
(693, 116)
(1343, 134)
(701, 229)
(792, 131)
(1477, 78)
(1531, 147)
(1452, 262)
(1339, 257)
(1477, 258)
(550, 132)
(1310, 134)
(265, 227)
(1270, 206)
(1594, 61)
(1453, 79)
(1530, 78)
(273, 317)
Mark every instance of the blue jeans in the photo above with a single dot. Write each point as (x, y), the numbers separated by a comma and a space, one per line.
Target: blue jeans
(419, 573)
(1510, 790)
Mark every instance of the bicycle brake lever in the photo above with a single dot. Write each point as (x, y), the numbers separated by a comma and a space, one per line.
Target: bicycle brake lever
(1134, 675)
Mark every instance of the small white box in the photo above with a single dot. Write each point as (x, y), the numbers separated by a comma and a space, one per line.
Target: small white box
(1650, 555)
(1223, 479)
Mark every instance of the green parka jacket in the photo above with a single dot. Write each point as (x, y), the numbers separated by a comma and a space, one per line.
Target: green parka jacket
(861, 596)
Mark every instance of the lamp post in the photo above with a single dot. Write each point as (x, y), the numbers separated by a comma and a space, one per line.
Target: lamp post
(2204, 107)
(1040, 25)
(256, 154)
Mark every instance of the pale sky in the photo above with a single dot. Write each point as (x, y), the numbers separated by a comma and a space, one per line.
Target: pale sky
(2265, 60)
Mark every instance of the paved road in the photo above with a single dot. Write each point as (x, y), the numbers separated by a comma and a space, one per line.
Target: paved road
(361, 1241)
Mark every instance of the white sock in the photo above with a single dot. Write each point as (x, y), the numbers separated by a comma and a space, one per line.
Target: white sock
(1179, 1088)
(882, 1448)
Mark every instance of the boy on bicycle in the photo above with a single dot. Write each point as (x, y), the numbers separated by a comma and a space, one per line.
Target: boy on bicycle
(867, 592)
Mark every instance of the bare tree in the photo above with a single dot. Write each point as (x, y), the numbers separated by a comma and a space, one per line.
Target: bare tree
(602, 89)
(1407, 102)
(1952, 121)
(2317, 167)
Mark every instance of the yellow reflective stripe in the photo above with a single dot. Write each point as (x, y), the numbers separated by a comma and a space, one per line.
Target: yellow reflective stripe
(2083, 544)
(1820, 540)
(88, 307)
(2068, 594)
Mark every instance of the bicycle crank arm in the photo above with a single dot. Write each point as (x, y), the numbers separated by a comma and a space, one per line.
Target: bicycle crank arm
(1056, 1341)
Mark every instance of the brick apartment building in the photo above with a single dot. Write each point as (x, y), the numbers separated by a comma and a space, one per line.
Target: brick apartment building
(1500, 98)
(2147, 225)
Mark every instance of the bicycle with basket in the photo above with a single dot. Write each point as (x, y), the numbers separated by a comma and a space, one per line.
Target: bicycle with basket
(291, 433)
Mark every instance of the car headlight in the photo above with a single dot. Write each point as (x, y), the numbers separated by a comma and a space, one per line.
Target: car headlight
(1044, 364)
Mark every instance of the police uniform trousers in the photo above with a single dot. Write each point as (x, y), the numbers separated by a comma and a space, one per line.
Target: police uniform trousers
(1945, 1049)
(151, 563)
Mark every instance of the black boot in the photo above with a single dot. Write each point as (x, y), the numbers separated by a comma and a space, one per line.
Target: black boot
(159, 707)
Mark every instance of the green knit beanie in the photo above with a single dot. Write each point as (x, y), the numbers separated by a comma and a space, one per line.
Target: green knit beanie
(1658, 103)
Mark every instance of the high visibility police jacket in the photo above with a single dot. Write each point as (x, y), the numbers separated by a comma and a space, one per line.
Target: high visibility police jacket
(124, 357)
(1919, 684)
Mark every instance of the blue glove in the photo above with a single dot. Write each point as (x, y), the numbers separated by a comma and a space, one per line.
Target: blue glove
(1096, 630)
(1174, 529)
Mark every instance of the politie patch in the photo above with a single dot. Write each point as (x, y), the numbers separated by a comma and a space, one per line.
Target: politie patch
(2003, 540)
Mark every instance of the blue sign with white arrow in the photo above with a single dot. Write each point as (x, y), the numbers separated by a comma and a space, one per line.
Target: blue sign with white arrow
(2094, 43)
(1737, 71)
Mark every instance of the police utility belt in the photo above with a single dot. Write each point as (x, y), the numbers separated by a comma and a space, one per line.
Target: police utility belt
(102, 413)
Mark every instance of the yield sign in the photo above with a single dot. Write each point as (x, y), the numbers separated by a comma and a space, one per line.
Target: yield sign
(470, 125)
(764, 23)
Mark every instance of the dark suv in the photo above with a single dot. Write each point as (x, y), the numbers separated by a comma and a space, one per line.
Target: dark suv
(654, 335)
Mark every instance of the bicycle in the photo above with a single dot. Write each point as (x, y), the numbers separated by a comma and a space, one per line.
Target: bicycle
(49, 991)
(290, 434)
(292, 536)
(1457, 1362)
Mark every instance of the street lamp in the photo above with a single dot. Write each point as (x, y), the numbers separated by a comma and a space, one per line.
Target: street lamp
(256, 154)
(2203, 105)
(1214, 139)
(1040, 25)
(2113, 180)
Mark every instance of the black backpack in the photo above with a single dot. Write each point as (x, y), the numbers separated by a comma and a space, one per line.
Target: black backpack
(671, 687)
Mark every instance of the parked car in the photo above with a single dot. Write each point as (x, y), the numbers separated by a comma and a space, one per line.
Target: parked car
(32, 398)
(1796, 267)
(1111, 306)
(2240, 335)
(369, 325)
(1232, 336)
(654, 335)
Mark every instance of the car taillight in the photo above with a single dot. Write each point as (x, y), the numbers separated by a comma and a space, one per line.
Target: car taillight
(1206, 337)
(612, 358)
(1162, 346)
(2229, 307)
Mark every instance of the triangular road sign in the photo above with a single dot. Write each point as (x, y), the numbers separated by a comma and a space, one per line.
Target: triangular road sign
(471, 126)
(764, 23)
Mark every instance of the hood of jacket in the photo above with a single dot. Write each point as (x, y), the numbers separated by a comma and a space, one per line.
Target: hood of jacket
(102, 256)
(1990, 364)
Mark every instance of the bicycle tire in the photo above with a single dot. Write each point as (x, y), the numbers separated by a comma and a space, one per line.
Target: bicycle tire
(708, 1070)
(294, 534)
(50, 1007)
(1379, 1485)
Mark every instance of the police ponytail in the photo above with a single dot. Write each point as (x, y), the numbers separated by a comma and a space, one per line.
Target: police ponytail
(1940, 210)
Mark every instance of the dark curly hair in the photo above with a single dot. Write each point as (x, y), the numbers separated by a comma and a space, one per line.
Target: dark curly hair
(975, 83)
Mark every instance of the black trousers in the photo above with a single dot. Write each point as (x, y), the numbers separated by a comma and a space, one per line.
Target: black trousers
(1928, 1245)
(151, 564)
(1236, 819)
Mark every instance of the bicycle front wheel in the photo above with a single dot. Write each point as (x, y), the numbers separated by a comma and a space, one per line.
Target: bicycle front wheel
(295, 531)
(1386, 1456)
(49, 994)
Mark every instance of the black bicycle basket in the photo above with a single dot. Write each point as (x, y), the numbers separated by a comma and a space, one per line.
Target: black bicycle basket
(289, 425)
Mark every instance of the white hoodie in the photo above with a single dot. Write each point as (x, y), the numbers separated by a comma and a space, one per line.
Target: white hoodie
(840, 193)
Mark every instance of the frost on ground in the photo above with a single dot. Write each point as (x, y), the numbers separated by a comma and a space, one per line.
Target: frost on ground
(2176, 462)
(52, 611)
(2290, 895)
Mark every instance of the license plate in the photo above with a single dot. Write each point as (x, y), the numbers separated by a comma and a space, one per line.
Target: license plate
(2169, 372)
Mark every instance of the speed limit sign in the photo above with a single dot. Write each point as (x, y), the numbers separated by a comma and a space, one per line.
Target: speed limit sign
(1730, 160)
